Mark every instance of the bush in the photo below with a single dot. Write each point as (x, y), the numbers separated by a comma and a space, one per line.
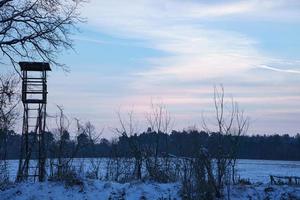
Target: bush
(91, 175)
(243, 181)
(4, 175)
(69, 177)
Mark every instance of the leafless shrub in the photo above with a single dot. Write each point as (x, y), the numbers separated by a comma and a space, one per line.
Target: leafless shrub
(187, 188)
(94, 169)
(9, 100)
(230, 122)
(114, 163)
(197, 177)
(119, 168)
(159, 165)
(95, 163)
(64, 151)
(128, 131)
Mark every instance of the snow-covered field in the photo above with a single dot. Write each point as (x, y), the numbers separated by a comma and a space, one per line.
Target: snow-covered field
(101, 190)
(254, 170)
(259, 170)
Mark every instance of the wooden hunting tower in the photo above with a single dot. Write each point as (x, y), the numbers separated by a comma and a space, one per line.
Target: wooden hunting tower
(34, 97)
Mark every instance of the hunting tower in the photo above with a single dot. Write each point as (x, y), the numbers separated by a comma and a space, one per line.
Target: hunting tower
(34, 97)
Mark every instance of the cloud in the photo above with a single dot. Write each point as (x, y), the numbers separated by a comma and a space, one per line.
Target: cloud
(86, 39)
(280, 70)
(192, 52)
(172, 27)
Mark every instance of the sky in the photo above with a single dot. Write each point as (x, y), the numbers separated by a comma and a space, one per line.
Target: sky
(131, 53)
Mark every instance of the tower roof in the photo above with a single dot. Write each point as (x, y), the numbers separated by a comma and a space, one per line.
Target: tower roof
(34, 66)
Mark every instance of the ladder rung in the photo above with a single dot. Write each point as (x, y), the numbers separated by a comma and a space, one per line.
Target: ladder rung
(34, 78)
(26, 82)
(32, 84)
(36, 92)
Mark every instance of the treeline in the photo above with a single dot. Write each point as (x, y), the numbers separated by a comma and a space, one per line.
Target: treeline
(178, 143)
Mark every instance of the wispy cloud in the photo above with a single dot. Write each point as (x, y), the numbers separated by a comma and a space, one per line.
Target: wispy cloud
(86, 39)
(191, 51)
(174, 27)
(280, 70)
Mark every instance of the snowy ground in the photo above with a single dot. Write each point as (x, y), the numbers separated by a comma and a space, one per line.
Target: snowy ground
(98, 190)
(92, 190)
(254, 170)
(265, 192)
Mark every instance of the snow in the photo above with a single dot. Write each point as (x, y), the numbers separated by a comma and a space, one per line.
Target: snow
(265, 191)
(92, 189)
(96, 189)
(254, 170)
(257, 171)
(260, 170)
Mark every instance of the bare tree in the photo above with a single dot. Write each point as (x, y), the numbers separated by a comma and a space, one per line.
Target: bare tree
(231, 123)
(61, 137)
(9, 100)
(129, 129)
(64, 150)
(93, 138)
(160, 122)
(242, 126)
(93, 134)
(159, 118)
(37, 29)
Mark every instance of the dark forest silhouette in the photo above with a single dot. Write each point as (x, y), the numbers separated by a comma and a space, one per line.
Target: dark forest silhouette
(180, 143)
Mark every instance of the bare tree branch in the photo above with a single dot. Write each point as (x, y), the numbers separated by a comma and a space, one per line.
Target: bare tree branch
(37, 30)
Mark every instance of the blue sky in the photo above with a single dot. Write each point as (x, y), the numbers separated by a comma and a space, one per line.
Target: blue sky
(130, 53)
